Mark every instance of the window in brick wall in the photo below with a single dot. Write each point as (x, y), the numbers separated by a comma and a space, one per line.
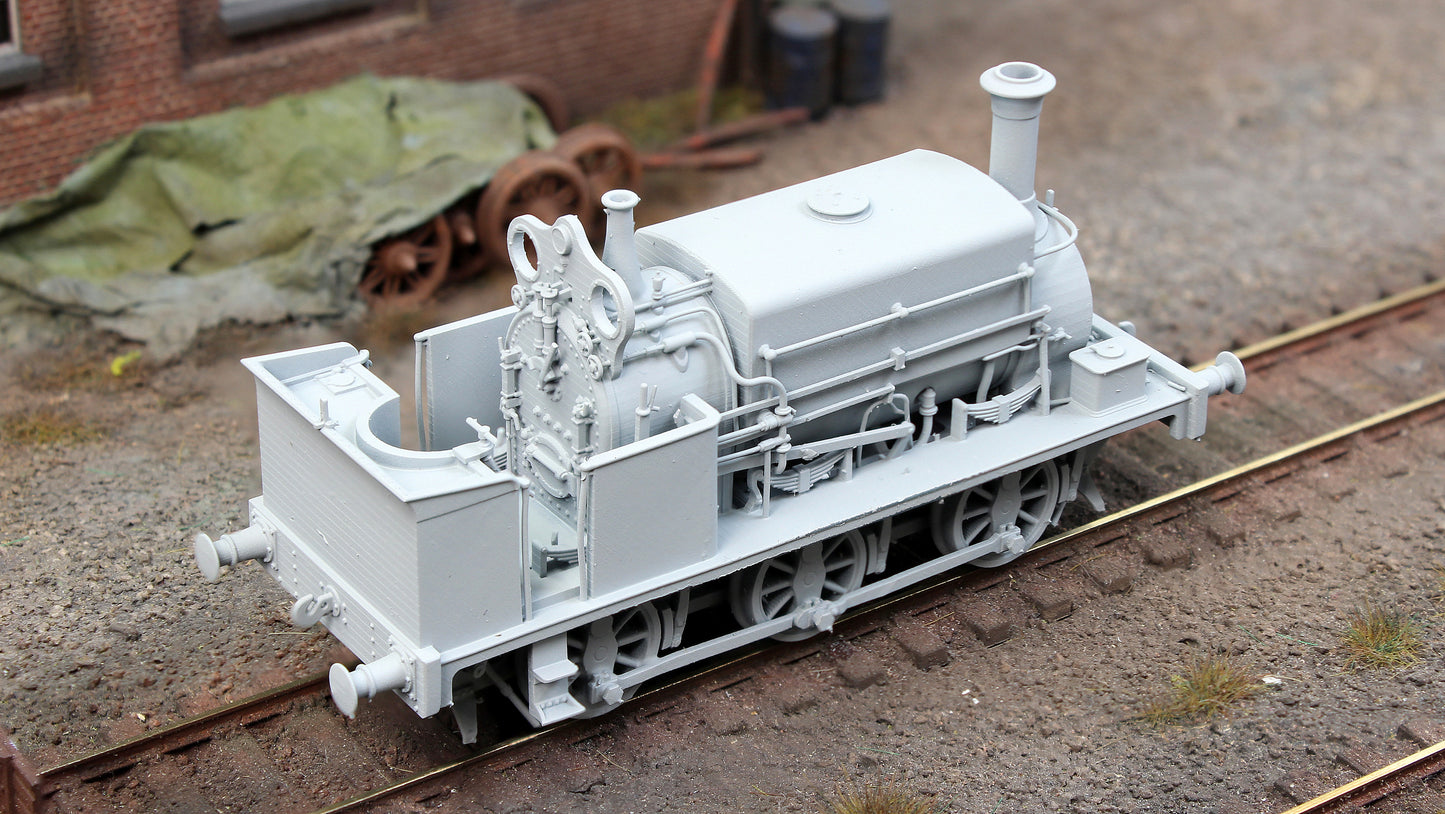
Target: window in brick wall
(244, 17)
(7, 25)
(17, 68)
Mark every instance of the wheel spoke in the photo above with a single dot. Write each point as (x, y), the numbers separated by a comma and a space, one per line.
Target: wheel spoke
(773, 607)
(783, 565)
(775, 585)
(374, 277)
(609, 647)
(773, 588)
(825, 570)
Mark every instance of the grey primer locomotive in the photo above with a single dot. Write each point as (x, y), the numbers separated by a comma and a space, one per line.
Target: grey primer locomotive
(730, 418)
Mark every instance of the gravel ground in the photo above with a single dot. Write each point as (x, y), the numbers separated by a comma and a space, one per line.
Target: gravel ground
(1236, 168)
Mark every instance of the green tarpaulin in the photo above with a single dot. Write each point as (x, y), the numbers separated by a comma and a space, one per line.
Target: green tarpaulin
(256, 214)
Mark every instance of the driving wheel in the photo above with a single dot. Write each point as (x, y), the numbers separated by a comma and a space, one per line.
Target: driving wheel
(1013, 510)
(823, 571)
(609, 648)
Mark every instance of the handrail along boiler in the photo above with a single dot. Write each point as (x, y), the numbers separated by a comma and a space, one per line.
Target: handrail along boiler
(735, 415)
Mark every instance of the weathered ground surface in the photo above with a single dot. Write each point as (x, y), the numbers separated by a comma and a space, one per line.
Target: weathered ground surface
(1236, 167)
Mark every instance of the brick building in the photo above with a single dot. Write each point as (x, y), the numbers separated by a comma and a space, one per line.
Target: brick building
(77, 73)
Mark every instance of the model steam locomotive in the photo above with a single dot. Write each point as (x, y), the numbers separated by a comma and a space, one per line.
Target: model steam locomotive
(733, 417)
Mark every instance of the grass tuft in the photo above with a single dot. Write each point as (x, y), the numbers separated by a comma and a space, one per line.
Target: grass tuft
(47, 426)
(387, 329)
(659, 121)
(1209, 686)
(1381, 637)
(95, 364)
(884, 799)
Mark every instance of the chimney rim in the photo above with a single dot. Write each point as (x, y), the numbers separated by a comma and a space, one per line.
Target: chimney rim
(1017, 80)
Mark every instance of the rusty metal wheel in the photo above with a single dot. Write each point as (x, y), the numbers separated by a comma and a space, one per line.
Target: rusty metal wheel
(546, 94)
(604, 155)
(534, 183)
(406, 270)
(469, 256)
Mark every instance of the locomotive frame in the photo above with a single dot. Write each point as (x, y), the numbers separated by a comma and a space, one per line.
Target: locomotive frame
(733, 416)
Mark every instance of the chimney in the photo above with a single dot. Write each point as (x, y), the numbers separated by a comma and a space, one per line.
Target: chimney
(619, 251)
(1017, 90)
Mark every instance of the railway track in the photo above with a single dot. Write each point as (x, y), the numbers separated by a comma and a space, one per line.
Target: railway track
(1305, 384)
(1374, 788)
(120, 759)
(479, 775)
(288, 748)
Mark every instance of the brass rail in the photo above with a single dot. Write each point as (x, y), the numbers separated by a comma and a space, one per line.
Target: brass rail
(1371, 787)
(1334, 323)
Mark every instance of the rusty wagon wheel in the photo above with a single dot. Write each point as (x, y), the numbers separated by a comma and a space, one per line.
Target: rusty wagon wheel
(469, 256)
(406, 270)
(604, 155)
(546, 94)
(534, 183)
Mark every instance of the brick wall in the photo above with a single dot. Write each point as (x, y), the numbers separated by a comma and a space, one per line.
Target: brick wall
(112, 65)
